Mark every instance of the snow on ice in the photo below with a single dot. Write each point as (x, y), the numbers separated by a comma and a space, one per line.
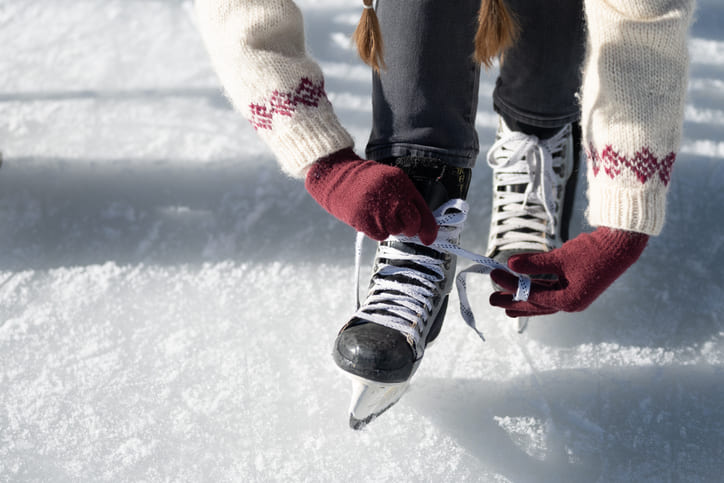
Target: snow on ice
(169, 298)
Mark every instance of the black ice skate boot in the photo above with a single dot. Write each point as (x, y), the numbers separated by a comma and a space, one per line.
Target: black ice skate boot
(382, 345)
(534, 183)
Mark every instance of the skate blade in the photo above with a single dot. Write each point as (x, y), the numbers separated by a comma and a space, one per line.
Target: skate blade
(522, 324)
(370, 399)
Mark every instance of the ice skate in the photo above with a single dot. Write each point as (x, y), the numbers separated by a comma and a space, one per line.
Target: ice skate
(533, 189)
(381, 347)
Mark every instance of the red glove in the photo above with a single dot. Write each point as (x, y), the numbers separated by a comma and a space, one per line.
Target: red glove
(373, 198)
(585, 266)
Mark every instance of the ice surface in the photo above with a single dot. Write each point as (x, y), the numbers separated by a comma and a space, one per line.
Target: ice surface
(169, 298)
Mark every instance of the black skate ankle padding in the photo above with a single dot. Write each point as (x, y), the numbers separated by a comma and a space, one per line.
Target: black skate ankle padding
(436, 181)
(437, 323)
(572, 183)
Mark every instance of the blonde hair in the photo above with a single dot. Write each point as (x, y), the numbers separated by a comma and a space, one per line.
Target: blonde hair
(497, 30)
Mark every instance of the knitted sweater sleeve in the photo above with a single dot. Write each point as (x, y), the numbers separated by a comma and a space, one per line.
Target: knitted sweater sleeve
(634, 87)
(257, 48)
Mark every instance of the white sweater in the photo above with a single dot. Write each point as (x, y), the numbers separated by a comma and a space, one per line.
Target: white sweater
(257, 48)
(634, 86)
(633, 93)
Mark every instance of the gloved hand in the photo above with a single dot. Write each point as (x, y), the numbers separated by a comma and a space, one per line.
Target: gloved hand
(373, 198)
(586, 266)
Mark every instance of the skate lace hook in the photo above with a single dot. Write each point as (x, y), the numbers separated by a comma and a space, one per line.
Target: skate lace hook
(450, 217)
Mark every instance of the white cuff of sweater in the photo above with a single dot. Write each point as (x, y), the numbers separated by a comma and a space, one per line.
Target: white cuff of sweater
(638, 210)
(299, 141)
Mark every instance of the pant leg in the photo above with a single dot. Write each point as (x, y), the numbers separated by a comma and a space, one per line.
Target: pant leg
(425, 101)
(541, 74)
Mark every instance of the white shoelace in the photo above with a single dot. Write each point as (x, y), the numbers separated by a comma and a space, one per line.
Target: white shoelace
(527, 221)
(406, 307)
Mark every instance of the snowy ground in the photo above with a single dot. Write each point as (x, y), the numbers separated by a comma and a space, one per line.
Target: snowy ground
(169, 299)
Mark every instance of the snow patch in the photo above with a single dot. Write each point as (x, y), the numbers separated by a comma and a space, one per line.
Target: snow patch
(528, 433)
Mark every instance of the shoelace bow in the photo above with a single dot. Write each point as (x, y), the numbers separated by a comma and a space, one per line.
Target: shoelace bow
(531, 163)
(406, 306)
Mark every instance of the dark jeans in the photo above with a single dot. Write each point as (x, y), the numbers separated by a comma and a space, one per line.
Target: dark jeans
(424, 102)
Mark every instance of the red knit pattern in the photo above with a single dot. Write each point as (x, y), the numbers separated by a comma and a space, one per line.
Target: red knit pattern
(643, 163)
(307, 93)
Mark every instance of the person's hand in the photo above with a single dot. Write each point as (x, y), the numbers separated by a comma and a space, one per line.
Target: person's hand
(585, 266)
(373, 198)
